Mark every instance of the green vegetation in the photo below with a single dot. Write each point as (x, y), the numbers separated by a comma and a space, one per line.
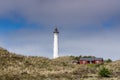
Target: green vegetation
(108, 60)
(18, 67)
(104, 72)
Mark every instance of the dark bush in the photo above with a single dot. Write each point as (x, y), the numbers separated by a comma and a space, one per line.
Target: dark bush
(108, 60)
(104, 72)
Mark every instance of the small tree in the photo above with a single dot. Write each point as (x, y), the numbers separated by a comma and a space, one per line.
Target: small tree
(104, 72)
(76, 57)
(108, 60)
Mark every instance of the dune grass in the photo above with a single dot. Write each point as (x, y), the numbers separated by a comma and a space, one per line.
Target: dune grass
(18, 67)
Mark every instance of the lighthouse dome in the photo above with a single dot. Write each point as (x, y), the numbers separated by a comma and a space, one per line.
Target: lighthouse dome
(56, 30)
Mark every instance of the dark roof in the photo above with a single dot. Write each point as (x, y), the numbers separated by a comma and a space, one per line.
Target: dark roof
(98, 58)
(91, 59)
(56, 30)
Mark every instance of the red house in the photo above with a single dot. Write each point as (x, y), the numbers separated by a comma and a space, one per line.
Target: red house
(91, 60)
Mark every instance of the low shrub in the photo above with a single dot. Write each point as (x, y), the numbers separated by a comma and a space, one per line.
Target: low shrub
(104, 72)
(108, 60)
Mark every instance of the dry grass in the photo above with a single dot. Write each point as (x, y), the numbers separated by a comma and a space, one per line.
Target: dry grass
(17, 67)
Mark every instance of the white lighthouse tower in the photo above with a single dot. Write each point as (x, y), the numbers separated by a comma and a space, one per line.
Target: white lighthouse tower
(56, 43)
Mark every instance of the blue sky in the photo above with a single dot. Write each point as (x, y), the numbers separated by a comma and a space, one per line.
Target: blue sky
(87, 27)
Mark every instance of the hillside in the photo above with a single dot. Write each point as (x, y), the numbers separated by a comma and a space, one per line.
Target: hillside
(18, 67)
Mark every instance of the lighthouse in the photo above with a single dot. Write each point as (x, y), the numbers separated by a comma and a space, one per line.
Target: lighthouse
(56, 43)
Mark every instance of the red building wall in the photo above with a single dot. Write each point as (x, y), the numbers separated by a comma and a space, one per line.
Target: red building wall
(83, 62)
(98, 61)
(93, 62)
